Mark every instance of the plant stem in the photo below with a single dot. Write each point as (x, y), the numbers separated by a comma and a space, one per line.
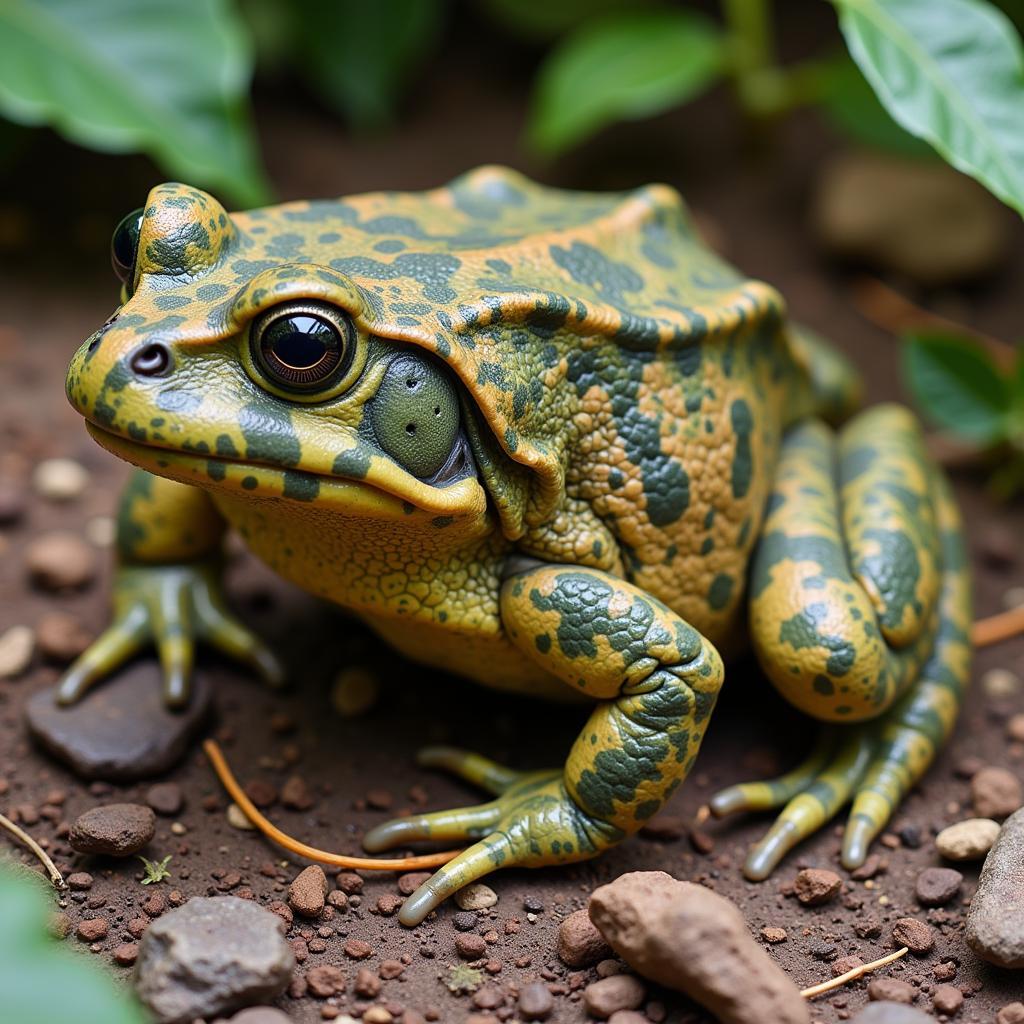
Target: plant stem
(51, 869)
(758, 80)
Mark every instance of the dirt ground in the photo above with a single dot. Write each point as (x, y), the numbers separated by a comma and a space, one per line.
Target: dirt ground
(55, 289)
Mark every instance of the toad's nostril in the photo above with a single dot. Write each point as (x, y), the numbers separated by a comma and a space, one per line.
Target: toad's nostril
(152, 360)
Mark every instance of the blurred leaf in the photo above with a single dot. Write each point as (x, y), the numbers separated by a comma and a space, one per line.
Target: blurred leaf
(951, 73)
(545, 19)
(956, 383)
(622, 67)
(39, 981)
(854, 108)
(166, 77)
(359, 55)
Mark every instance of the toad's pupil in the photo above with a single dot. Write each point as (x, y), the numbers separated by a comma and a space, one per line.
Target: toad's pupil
(301, 342)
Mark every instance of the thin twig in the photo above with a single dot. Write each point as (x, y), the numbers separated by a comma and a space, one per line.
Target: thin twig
(51, 869)
(997, 628)
(887, 308)
(220, 766)
(857, 972)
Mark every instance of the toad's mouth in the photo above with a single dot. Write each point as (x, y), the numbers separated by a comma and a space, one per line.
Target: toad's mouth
(380, 490)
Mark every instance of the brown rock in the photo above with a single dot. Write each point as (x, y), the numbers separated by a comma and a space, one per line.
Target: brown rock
(126, 954)
(935, 887)
(891, 1013)
(996, 793)
(913, 934)
(995, 924)
(773, 936)
(816, 886)
(117, 830)
(687, 937)
(947, 999)
(60, 561)
(356, 949)
(367, 985)
(308, 891)
(325, 981)
(62, 637)
(891, 990)
(410, 882)
(350, 883)
(296, 794)
(580, 944)
(619, 992)
(80, 880)
(1011, 1013)
(93, 929)
(535, 1002)
(470, 946)
(165, 798)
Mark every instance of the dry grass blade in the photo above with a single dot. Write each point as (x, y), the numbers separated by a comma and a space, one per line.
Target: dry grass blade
(51, 869)
(857, 972)
(997, 628)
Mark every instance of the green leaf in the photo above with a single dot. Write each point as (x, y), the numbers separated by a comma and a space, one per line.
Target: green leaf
(166, 77)
(622, 67)
(156, 870)
(953, 74)
(39, 981)
(956, 383)
(853, 107)
(360, 54)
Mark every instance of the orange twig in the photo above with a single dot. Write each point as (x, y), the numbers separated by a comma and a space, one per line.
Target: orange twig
(220, 766)
(999, 627)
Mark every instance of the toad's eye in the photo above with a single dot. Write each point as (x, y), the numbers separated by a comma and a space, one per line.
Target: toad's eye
(302, 346)
(124, 247)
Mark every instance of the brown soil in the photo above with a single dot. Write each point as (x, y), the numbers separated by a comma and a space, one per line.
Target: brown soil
(54, 290)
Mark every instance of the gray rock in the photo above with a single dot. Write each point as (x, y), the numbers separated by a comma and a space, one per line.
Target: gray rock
(891, 1013)
(121, 730)
(995, 922)
(209, 957)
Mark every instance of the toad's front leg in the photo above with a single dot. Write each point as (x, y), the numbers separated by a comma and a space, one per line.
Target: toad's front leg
(656, 679)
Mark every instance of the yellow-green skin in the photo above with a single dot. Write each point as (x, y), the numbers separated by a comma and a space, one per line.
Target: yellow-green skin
(646, 430)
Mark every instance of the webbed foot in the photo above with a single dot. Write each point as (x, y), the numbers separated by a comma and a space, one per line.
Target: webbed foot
(171, 606)
(532, 822)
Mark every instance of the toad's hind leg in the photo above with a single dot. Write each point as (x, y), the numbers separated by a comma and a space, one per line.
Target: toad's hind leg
(859, 613)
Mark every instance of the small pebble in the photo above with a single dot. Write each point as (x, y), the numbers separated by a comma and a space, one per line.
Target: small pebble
(237, 819)
(308, 891)
(357, 949)
(1011, 1013)
(410, 882)
(816, 886)
(476, 896)
(116, 830)
(93, 929)
(535, 1001)
(355, 691)
(891, 1013)
(126, 954)
(995, 924)
(619, 992)
(62, 637)
(80, 881)
(935, 887)
(165, 798)
(470, 946)
(913, 934)
(101, 531)
(325, 980)
(580, 944)
(996, 793)
(16, 646)
(296, 794)
(967, 840)
(1015, 728)
(891, 990)
(1000, 683)
(60, 479)
(773, 936)
(60, 561)
(947, 999)
(12, 502)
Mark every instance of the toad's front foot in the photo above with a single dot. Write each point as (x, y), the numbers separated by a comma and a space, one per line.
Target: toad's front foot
(171, 606)
(532, 822)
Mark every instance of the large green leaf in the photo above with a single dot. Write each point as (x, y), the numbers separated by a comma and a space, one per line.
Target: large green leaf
(165, 77)
(359, 54)
(951, 72)
(956, 384)
(853, 107)
(40, 982)
(619, 67)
